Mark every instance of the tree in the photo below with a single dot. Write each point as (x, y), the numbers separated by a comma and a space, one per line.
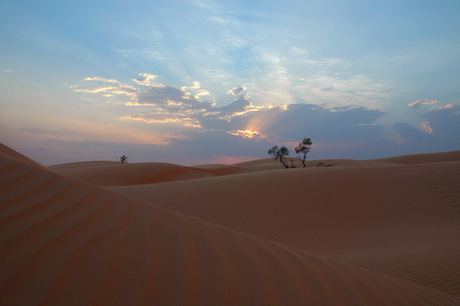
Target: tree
(302, 150)
(124, 159)
(279, 153)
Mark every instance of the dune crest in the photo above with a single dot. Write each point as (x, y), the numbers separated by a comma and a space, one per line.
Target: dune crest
(10, 153)
(64, 241)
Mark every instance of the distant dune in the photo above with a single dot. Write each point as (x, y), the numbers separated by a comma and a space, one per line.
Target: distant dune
(117, 174)
(375, 232)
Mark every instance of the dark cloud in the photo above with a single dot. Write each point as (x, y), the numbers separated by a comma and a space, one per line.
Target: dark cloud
(229, 117)
(238, 105)
(170, 98)
(439, 133)
(408, 132)
(300, 120)
(335, 126)
(445, 122)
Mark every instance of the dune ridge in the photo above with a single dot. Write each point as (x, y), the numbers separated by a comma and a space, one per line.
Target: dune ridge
(10, 153)
(63, 241)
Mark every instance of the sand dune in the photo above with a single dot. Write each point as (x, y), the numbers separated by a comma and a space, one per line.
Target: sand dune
(278, 237)
(399, 220)
(423, 158)
(10, 153)
(117, 174)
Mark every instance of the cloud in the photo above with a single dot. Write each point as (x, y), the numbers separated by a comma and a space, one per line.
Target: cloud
(417, 103)
(104, 80)
(407, 132)
(237, 90)
(238, 107)
(147, 79)
(426, 127)
(443, 107)
(170, 104)
(186, 120)
(333, 123)
(108, 87)
(438, 133)
(337, 132)
(243, 129)
(163, 103)
(168, 96)
(445, 124)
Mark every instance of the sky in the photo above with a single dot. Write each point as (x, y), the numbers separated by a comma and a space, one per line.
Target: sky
(199, 82)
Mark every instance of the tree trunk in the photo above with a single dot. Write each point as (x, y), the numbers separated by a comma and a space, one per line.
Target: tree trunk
(284, 164)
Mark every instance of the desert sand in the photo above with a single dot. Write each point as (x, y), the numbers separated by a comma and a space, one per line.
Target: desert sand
(370, 232)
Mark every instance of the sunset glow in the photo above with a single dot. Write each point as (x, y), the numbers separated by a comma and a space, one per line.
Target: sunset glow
(247, 134)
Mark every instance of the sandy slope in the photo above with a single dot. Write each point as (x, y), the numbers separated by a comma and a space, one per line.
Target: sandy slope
(66, 242)
(399, 220)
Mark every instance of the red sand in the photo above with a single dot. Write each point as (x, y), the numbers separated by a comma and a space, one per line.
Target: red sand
(382, 232)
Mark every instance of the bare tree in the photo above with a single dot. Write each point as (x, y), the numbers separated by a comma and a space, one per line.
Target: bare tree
(279, 153)
(302, 150)
(124, 159)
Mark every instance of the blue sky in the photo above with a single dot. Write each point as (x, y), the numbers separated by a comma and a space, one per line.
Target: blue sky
(195, 82)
